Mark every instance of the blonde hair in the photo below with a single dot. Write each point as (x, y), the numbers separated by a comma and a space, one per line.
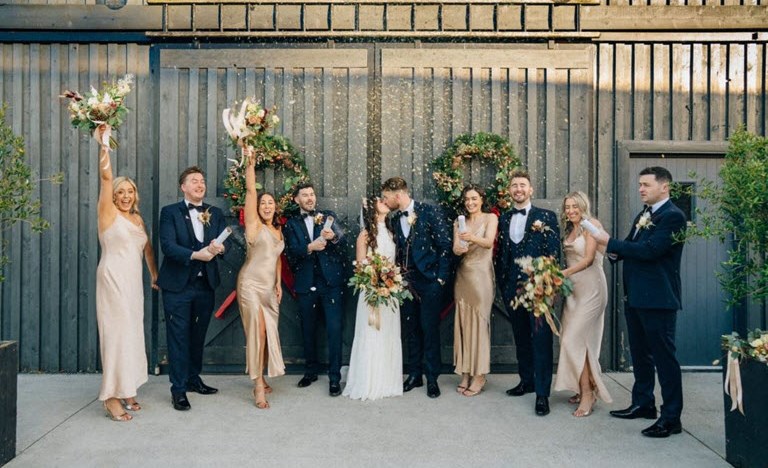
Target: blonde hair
(582, 201)
(117, 182)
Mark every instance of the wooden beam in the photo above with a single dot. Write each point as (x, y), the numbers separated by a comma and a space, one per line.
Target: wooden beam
(674, 18)
(80, 17)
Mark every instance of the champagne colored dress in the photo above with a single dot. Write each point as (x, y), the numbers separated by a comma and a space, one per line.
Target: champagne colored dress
(256, 292)
(473, 292)
(120, 309)
(582, 330)
(376, 362)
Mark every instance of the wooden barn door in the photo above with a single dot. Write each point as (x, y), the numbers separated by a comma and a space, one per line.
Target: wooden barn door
(322, 97)
(541, 99)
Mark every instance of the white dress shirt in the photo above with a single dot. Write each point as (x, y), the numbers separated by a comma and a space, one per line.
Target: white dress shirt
(309, 222)
(197, 225)
(517, 225)
(655, 207)
(404, 219)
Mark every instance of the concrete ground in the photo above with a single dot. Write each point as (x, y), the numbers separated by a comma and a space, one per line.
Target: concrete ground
(61, 423)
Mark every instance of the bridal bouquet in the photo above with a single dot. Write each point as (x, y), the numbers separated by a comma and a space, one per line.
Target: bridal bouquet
(381, 282)
(250, 125)
(100, 108)
(537, 293)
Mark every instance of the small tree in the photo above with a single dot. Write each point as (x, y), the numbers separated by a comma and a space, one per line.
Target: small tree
(738, 211)
(17, 204)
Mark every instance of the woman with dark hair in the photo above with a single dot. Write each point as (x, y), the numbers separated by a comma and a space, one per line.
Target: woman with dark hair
(258, 286)
(473, 292)
(376, 363)
(120, 291)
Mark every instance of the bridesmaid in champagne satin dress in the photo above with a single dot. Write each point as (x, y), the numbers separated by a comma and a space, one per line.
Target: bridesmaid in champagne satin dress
(258, 286)
(120, 291)
(578, 368)
(473, 292)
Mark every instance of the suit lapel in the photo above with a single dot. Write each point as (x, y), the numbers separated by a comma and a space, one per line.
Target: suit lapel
(301, 227)
(185, 215)
(207, 227)
(316, 228)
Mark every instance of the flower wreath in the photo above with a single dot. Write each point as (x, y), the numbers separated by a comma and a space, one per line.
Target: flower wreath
(488, 148)
(274, 152)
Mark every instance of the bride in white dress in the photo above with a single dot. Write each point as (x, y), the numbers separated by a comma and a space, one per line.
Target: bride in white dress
(376, 363)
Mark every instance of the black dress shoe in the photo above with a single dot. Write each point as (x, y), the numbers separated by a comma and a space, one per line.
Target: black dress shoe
(307, 380)
(201, 388)
(433, 391)
(635, 412)
(520, 390)
(662, 429)
(180, 402)
(412, 382)
(542, 405)
(334, 389)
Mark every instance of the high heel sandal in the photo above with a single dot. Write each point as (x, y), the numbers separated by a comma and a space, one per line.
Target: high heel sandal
(260, 404)
(124, 417)
(135, 406)
(470, 393)
(575, 400)
(579, 413)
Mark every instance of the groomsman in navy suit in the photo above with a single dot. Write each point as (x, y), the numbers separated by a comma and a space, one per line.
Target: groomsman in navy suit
(652, 298)
(316, 256)
(424, 252)
(527, 230)
(188, 277)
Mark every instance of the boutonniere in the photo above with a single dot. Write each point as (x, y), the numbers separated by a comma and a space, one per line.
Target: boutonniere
(644, 222)
(205, 217)
(539, 226)
(319, 218)
(411, 219)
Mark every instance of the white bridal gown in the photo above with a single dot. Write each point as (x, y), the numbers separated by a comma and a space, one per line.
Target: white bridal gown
(376, 363)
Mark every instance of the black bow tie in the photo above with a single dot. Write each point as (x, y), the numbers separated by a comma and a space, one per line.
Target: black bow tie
(307, 214)
(403, 213)
(515, 211)
(647, 209)
(195, 207)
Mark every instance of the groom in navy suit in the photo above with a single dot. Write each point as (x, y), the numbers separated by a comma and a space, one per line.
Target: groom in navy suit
(424, 253)
(188, 277)
(527, 230)
(652, 298)
(316, 256)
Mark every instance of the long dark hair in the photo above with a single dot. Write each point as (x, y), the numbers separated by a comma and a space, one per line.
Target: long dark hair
(275, 216)
(370, 223)
(480, 191)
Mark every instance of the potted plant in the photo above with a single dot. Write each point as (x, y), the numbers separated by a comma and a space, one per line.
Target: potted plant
(738, 213)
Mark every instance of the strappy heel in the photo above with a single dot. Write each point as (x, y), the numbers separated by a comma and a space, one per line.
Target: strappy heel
(263, 404)
(470, 393)
(580, 413)
(135, 406)
(124, 417)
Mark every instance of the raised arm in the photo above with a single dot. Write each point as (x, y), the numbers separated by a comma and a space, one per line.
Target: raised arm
(107, 212)
(252, 221)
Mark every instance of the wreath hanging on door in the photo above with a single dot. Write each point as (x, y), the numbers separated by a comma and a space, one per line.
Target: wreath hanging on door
(487, 148)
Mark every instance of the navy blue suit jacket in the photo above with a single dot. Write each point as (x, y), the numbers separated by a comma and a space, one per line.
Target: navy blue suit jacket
(534, 244)
(177, 241)
(652, 260)
(428, 247)
(332, 258)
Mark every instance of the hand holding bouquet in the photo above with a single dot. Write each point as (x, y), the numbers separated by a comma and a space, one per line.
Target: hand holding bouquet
(537, 293)
(381, 282)
(250, 125)
(102, 109)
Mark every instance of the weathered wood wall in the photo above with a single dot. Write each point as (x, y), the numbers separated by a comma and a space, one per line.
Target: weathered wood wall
(48, 298)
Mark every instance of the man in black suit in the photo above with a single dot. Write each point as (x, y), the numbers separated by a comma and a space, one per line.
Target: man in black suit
(316, 256)
(652, 298)
(423, 239)
(188, 276)
(527, 230)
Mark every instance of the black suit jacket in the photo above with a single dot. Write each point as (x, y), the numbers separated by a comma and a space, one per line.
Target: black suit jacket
(652, 260)
(177, 241)
(331, 259)
(428, 248)
(534, 244)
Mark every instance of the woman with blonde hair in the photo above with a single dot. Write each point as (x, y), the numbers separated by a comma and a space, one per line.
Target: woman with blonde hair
(578, 368)
(120, 291)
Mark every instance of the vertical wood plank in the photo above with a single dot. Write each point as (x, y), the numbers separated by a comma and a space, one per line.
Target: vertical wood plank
(717, 100)
(439, 117)
(661, 93)
(356, 140)
(532, 134)
(681, 91)
(754, 67)
(269, 85)
(497, 104)
(327, 130)
(700, 85)
(553, 83)
(193, 123)
(737, 109)
(460, 76)
(127, 64)
(580, 134)
(419, 160)
(310, 131)
(560, 118)
(405, 130)
(642, 102)
(513, 117)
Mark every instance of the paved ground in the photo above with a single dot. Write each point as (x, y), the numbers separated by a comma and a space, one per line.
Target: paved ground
(61, 424)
